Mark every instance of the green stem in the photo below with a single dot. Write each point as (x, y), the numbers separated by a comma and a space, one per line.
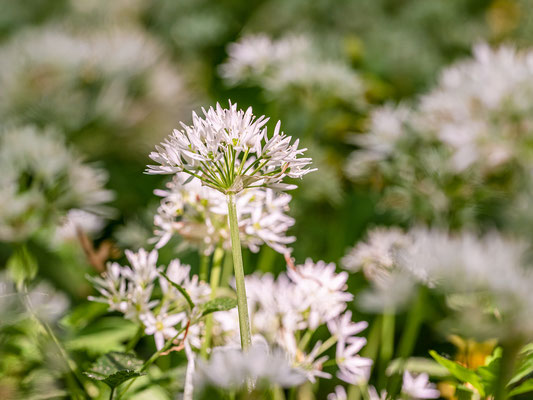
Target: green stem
(387, 346)
(408, 340)
(111, 394)
(218, 257)
(204, 267)
(242, 303)
(227, 270)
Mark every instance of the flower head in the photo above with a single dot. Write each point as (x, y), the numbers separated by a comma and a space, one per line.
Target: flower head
(229, 150)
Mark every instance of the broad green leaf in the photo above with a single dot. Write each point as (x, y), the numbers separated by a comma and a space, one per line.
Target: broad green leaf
(461, 373)
(180, 288)
(104, 335)
(218, 304)
(525, 387)
(115, 368)
(22, 266)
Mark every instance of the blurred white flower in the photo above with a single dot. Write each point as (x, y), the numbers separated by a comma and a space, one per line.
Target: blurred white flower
(231, 368)
(116, 77)
(43, 179)
(373, 394)
(339, 394)
(290, 63)
(375, 256)
(482, 107)
(229, 150)
(419, 387)
(75, 220)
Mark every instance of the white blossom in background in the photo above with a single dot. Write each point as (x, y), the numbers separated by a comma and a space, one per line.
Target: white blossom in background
(130, 290)
(292, 306)
(482, 107)
(78, 220)
(490, 269)
(386, 128)
(229, 150)
(375, 255)
(230, 368)
(290, 63)
(418, 387)
(116, 77)
(42, 179)
(461, 149)
(199, 215)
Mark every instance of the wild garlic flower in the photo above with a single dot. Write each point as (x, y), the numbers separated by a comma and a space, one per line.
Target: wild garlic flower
(486, 279)
(130, 290)
(229, 150)
(42, 180)
(462, 149)
(375, 256)
(491, 269)
(115, 82)
(293, 306)
(418, 387)
(198, 214)
(290, 66)
(231, 368)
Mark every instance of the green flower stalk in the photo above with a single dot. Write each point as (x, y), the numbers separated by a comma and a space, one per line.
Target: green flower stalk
(229, 151)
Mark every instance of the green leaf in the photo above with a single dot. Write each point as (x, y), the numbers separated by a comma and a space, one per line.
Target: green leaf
(102, 336)
(22, 266)
(461, 373)
(463, 393)
(115, 368)
(525, 366)
(180, 288)
(218, 304)
(83, 315)
(525, 387)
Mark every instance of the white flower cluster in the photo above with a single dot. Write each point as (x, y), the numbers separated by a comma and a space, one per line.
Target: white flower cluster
(288, 310)
(291, 63)
(130, 290)
(414, 387)
(473, 270)
(462, 148)
(229, 150)
(200, 216)
(41, 180)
